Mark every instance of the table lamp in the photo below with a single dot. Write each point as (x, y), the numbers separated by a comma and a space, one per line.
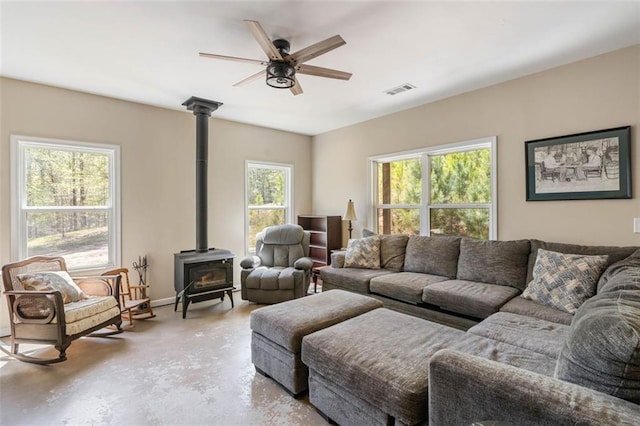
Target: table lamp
(350, 215)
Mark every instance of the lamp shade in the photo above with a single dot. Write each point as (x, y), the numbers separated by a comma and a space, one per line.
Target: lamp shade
(350, 214)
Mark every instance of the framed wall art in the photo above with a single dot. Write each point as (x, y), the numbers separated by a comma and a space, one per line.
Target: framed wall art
(591, 165)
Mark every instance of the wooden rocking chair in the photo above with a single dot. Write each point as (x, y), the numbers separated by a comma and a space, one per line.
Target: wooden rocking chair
(133, 298)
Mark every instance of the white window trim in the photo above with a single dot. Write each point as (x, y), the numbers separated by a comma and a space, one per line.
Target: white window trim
(18, 196)
(288, 207)
(424, 153)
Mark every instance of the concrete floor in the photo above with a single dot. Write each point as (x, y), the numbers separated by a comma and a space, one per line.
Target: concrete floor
(166, 371)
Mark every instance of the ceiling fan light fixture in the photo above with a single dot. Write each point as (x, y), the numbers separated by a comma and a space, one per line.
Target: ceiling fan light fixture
(281, 75)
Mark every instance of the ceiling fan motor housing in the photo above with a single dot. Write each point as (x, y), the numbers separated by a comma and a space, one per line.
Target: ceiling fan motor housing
(282, 45)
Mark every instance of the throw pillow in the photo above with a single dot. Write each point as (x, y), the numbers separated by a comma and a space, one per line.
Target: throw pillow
(54, 280)
(368, 233)
(363, 253)
(615, 253)
(622, 275)
(564, 281)
(602, 348)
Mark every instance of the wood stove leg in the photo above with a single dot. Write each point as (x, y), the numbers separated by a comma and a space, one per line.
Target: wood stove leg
(175, 307)
(230, 294)
(185, 304)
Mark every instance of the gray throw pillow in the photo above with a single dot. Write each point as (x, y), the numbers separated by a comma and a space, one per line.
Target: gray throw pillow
(392, 251)
(494, 262)
(363, 253)
(432, 255)
(602, 349)
(622, 275)
(368, 233)
(564, 281)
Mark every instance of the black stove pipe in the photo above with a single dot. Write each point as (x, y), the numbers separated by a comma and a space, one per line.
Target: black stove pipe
(202, 109)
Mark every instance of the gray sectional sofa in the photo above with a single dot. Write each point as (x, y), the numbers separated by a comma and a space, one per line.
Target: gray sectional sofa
(518, 361)
(455, 281)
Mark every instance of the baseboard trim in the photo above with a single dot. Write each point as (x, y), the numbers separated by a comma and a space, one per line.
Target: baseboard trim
(163, 302)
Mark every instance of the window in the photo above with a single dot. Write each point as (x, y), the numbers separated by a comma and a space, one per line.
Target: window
(399, 200)
(66, 201)
(445, 190)
(268, 190)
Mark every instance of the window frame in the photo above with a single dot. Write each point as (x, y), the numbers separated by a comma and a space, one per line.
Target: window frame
(424, 154)
(288, 196)
(19, 237)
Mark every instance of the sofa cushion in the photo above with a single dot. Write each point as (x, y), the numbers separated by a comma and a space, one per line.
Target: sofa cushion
(533, 334)
(89, 312)
(494, 262)
(616, 276)
(521, 306)
(615, 253)
(602, 350)
(506, 354)
(353, 279)
(564, 281)
(405, 286)
(392, 251)
(432, 255)
(276, 278)
(53, 280)
(471, 298)
(363, 253)
(89, 307)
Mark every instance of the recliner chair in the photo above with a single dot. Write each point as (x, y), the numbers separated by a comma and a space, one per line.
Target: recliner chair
(281, 268)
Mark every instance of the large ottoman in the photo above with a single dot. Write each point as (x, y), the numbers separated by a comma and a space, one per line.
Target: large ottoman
(373, 369)
(278, 331)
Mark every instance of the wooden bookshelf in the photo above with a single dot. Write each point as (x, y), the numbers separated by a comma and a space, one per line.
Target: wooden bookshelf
(326, 235)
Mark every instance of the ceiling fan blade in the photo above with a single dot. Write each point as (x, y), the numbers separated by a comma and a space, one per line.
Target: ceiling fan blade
(296, 89)
(323, 72)
(251, 78)
(263, 40)
(233, 58)
(316, 50)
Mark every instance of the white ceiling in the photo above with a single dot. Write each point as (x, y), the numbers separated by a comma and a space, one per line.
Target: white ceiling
(147, 51)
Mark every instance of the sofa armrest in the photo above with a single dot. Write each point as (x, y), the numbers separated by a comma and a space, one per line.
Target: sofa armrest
(250, 262)
(304, 263)
(464, 389)
(337, 259)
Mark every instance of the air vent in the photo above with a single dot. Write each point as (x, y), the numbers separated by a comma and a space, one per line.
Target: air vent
(400, 89)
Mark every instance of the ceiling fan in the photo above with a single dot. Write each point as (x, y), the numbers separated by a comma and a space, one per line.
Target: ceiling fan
(281, 67)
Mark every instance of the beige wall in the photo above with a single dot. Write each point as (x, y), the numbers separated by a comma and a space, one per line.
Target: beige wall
(597, 93)
(158, 169)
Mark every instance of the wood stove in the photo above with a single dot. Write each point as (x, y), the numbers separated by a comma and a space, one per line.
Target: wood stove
(204, 273)
(202, 276)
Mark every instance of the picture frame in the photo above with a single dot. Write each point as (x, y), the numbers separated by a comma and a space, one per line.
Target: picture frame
(582, 166)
